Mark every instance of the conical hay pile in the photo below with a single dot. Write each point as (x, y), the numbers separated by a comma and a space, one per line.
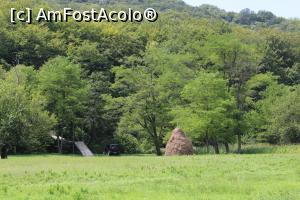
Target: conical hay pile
(179, 144)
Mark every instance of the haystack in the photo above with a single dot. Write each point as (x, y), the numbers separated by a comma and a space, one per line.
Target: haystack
(179, 144)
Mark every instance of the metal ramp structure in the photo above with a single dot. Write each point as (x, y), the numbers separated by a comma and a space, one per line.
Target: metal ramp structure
(84, 150)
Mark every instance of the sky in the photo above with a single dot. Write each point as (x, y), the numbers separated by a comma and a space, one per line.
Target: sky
(282, 8)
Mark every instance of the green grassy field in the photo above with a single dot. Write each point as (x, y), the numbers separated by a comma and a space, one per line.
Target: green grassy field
(218, 177)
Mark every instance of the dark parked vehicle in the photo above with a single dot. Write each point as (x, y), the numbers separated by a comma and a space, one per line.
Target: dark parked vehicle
(112, 149)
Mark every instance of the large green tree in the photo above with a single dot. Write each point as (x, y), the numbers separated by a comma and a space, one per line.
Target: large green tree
(279, 58)
(153, 86)
(237, 60)
(207, 110)
(275, 114)
(24, 123)
(66, 92)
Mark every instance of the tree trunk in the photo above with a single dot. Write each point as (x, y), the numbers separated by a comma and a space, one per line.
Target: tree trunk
(158, 151)
(239, 139)
(227, 147)
(15, 149)
(216, 147)
(155, 136)
(58, 144)
(157, 147)
(240, 108)
(4, 152)
(61, 146)
(207, 143)
(73, 137)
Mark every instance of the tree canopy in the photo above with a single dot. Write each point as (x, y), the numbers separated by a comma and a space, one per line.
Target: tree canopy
(223, 77)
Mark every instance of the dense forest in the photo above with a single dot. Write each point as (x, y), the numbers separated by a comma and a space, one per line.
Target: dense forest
(223, 77)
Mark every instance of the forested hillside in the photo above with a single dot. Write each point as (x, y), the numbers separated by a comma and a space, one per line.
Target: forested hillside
(224, 78)
(245, 17)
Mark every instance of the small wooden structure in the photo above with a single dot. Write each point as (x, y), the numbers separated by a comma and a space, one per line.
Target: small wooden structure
(81, 146)
(84, 150)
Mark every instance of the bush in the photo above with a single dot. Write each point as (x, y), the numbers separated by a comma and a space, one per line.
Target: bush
(129, 143)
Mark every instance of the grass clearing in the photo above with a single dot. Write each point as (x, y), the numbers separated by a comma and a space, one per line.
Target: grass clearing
(230, 177)
(258, 148)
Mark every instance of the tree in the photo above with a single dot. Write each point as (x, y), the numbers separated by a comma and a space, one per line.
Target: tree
(30, 45)
(286, 121)
(89, 57)
(146, 108)
(100, 121)
(293, 74)
(237, 60)
(148, 90)
(256, 87)
(206, 113)
(23, 121)
(266, 17)
(60, 82)
(276, 116)
(279, 58)
(247, 17)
